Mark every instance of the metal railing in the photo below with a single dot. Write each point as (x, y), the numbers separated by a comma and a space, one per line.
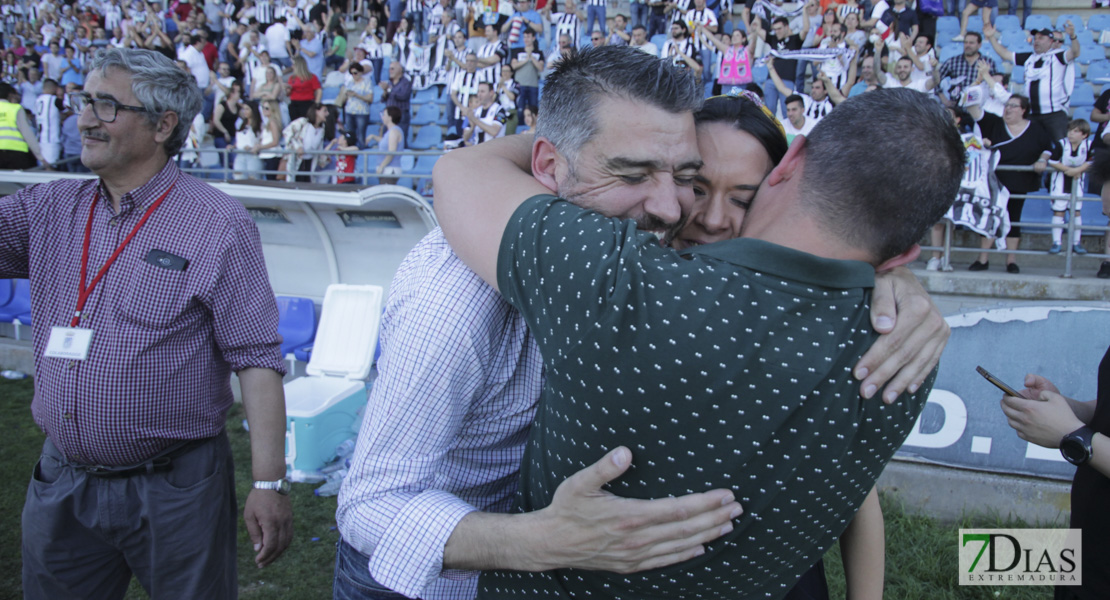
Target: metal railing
(224, 169)
(1068, 255)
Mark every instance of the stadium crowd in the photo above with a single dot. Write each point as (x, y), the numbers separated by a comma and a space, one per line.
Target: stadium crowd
(284, 80)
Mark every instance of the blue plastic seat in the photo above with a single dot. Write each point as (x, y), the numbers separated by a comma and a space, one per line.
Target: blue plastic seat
(426, 95)
(1006, 23)
(429, 137)
(1038, 22)
(660, 38)
(1098, 69)
(1063, 19)
(376, 112)
(975, 23)
(19, 302)
(6, 292)
(1099, 22)
(950, 51)
(329, 95)
(1083, 95)
(427, 114)
(1017, 75)
(1012, 37)
(423, 165)
(947, 27)
(296, 322)
(1082, 112)
(1089, 52)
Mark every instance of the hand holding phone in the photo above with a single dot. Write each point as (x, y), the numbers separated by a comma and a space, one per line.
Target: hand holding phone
(1000, 384)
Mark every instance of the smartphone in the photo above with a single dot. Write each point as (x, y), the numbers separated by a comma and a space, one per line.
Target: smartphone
(998, 382)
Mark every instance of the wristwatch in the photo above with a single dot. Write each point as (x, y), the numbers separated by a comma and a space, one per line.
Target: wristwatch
(283, 487)
(1076, 446)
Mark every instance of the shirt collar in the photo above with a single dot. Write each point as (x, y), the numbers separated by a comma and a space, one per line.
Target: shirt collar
(788, 263)
(145, 194)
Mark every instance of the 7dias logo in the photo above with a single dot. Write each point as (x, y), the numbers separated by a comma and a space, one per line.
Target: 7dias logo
(1020, 557)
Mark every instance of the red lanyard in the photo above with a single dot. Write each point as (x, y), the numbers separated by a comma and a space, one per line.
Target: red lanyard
(85, 291)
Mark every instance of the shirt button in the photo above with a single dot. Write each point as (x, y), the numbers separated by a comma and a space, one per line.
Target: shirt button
(68, 416)
(72, 365)
(112, 223)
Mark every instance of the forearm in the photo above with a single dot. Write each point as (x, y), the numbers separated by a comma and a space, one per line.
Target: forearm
(264, 402)
(486, 541)
(863, 548)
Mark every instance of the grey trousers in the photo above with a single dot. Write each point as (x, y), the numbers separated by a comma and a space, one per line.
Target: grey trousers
(84, 536)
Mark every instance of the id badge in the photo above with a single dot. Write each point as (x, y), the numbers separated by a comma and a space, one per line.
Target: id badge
(69, 342)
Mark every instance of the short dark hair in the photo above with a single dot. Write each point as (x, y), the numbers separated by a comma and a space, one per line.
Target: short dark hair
(883, 213)
(394, 114)
(574, 89)
(974, 34)
(792, 98)
(782, 20)
(635, 27)
(1080, 124)
(1024, 102)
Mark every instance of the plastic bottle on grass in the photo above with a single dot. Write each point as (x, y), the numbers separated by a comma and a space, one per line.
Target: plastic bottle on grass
(10, 374)
(332, 485)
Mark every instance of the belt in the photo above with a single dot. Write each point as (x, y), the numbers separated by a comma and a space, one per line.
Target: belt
(156, 464)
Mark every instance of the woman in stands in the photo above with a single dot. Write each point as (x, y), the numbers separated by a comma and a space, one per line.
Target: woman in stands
(736, 58)
(247, 138)
(303, 89)
(269, 140)
(740, 143)
(392, 139)
(1019, 141)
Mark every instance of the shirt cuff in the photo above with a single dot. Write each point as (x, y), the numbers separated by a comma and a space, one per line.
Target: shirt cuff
(409, 556)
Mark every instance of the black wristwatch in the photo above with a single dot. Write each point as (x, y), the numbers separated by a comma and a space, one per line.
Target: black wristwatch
(1076, 446)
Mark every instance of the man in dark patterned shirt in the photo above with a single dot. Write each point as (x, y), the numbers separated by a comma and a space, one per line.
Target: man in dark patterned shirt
(148, 289)
(729, 369)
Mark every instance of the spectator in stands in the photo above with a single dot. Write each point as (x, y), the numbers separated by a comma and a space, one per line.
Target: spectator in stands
(735, 62)
(268, 86)
(486, 120)
(921, 53)
(248, 138)
(506, 91)
(526, 18)
(357, 96)
(527, 64)
(868, 81)
(463, 85)
(1046, 76)
(391, 139)
(278, 43)
(597, 39)
(818, 102)
(528, 118)
(619, 34)
(303, 89)
(568, 22)
(640, 41)
(850, 23)
(565, 49)
(903, 74)
(1069, 162)
(1019, 141)
(491, 55)
(398, 92)
(962, 70)
(783, 40)
(371, 40)
(311, 47)
(796, 122)
(269, 141)
(52, 62)
(223, 119)
(595, 13)
(48, 119)
(337, 52)
(301, 137)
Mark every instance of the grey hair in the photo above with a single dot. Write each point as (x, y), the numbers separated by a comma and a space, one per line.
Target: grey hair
(160, 86)
(572, 92)
(885, 207)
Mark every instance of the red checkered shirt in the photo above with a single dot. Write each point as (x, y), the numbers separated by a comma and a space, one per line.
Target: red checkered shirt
(164, 341)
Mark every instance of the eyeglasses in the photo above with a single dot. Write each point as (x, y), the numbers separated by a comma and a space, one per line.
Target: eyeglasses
(105, 109)
(1012, 105)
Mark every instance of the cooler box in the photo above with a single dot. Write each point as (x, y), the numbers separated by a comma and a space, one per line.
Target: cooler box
(322, 408)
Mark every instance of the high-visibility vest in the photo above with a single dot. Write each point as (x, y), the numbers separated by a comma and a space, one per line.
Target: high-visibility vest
(10, 138)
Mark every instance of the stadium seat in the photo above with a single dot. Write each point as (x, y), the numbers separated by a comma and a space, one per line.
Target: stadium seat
(1083, 95)
(19, 306)
(1012, 37)
(760, 74)
(25, 319)
(407, 162)
(1020, 46)
(5, 292)
(366, 166)
(1006, 23)
(1062, 20)
(988, 51)
(1099, 69)
(659, 39)
(950, 51)
(975, 23)
(947, 27)
(376, 112)
(329, 95)
(1099, 22)
(426, 95)
(296, 322)
(1038, 22)
(429, 137)
(1038, 208)
(1090, 52)
(1082, 112)
(1017, 75)
(426, 114)
(423, 165)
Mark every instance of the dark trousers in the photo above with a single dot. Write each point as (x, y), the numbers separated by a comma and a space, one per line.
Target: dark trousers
(84, 536)
(352, 578)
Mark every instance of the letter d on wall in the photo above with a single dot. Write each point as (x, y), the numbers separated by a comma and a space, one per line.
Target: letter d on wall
(955, 421)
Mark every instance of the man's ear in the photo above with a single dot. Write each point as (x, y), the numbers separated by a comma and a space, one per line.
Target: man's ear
(904, 258)
(545, 160)
(164, 129)
(789, 164)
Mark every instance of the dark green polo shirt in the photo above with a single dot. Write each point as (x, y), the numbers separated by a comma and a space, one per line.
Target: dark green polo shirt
(729, 369)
